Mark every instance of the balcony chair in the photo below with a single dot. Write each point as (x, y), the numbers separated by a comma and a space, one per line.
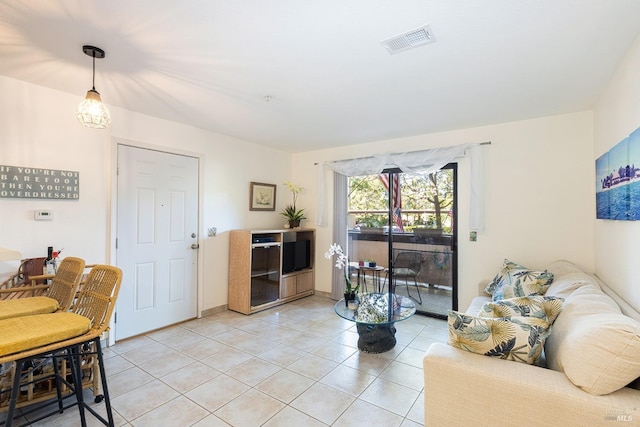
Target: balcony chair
(64, 335)
(57, 296)
(11, 286)
(406, 265)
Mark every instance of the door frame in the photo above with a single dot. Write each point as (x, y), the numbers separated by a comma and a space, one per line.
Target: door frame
(113, 215)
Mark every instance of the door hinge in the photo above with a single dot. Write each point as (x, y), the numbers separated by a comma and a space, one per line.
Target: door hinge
(115, 317)
(116, 243)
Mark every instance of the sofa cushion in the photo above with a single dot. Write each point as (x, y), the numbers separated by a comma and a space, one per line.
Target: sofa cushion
(519, 339)
(515, 280)
(593, 343)
(543, 307)
(567, 277)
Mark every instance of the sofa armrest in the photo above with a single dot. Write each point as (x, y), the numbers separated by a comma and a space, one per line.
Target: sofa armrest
(462, 388)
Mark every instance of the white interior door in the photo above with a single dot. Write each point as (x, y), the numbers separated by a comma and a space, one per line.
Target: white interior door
(157, 238)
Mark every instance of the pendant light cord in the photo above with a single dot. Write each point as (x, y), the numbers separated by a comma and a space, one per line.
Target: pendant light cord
(93, 81)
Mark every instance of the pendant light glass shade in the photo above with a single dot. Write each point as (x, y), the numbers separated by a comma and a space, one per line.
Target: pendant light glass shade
(92, 113)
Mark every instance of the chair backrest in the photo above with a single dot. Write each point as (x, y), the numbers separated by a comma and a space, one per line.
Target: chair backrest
(64, 284)
(411, 260)
(97, 296)
(30, 267)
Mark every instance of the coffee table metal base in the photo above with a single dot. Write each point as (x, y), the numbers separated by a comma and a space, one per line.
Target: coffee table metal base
(376, 338)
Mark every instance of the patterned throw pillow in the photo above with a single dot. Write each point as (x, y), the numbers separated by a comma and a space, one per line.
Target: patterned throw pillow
(519, 339)
(515, 280)
(542, 307)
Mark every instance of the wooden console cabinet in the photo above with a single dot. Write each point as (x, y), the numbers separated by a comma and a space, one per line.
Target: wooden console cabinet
(259, 275)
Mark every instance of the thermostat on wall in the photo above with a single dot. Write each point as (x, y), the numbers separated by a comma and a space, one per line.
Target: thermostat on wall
(43, 215)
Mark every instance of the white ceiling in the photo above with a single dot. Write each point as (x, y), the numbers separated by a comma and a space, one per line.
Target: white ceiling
(211, 63)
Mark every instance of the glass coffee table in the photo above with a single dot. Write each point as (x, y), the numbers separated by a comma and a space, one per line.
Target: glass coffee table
(375, 318)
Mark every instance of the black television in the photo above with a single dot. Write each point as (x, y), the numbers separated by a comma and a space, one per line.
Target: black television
(296, 256)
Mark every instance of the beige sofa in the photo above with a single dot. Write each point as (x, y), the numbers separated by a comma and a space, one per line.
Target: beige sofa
(594, 343)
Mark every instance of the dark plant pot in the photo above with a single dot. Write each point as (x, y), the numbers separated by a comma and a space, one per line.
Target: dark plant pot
(293, 223)
(349, 296)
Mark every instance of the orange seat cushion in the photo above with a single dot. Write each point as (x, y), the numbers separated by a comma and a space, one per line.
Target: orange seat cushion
(27, 306)
(28, 332)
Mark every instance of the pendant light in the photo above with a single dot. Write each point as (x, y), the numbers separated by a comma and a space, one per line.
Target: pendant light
(92, 112)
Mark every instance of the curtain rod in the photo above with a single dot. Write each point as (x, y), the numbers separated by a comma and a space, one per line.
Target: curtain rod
(480, 143)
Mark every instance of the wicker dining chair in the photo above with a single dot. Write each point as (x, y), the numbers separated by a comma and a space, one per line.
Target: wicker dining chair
(65, 335)
(56, 296)
(11, 286)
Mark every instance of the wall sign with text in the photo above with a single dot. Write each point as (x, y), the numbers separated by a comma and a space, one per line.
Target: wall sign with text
(18, 182)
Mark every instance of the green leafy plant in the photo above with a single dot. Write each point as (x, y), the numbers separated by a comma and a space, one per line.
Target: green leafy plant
(290, 211)
(293, 214)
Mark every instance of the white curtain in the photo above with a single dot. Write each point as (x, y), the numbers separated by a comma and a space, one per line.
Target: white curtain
(340, 190)
(421, 162)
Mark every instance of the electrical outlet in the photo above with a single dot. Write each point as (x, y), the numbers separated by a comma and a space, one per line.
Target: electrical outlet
(212, 231)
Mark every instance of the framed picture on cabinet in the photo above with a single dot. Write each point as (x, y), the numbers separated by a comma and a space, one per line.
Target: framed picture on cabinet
(262, 197)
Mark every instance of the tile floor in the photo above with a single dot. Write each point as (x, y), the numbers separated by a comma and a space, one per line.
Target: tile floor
(293, 365)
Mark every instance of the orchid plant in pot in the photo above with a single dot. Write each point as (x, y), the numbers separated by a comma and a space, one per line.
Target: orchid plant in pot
(342, 263)
(293, 215)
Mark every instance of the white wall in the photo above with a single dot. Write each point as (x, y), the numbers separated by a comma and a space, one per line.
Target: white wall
(539, 194)
(616, 115)
(39, 130)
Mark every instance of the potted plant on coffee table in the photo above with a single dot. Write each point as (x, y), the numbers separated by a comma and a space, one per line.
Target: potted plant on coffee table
(342, 263)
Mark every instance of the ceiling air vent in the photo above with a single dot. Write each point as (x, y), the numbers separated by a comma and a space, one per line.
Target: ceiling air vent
(409, 40)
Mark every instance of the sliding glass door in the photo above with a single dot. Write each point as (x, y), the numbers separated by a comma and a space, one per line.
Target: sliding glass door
(409, 234)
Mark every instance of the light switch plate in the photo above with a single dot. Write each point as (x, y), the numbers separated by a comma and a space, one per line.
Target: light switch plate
(43, 215)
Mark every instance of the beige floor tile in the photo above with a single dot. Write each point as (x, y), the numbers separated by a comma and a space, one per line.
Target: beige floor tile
(361, 413)
(235, 337)
(348, 380)
(285, 385)
(416, 413)
(289, 417)
(253, 371)
(125, 381)
(203, 349)
(403, 374)
(282, 355)
(116, 364)
(217, 392)
(313, 367)
(190, 376)
(370, 363)
(178, 412)
(184, 339)
(390, 396)
(130, 344)
(411, 356)
(306, 342)
(167, 363)
(143, 354)
(293, 365)
(211, 421)
(349, 337)
(335, 351)
(323, 403)
(409, 423)
(252, 408)
(226, 359)
(257, 345)
(165, 334)
(212, 329)
(139, 401)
